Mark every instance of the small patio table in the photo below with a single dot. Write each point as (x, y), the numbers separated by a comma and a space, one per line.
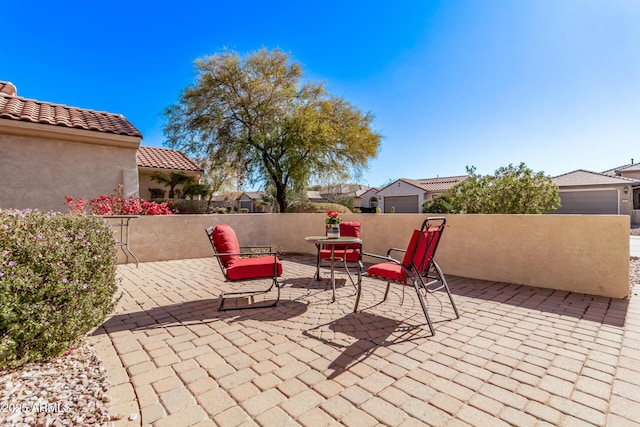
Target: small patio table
(331, 242)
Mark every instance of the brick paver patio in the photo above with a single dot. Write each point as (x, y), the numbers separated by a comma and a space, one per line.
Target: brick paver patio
(517, 356)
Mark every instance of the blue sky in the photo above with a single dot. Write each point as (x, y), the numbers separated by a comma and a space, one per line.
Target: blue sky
(554, 84)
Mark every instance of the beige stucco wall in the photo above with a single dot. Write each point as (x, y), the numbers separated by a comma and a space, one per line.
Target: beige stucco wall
(580, 253)
(41, 164)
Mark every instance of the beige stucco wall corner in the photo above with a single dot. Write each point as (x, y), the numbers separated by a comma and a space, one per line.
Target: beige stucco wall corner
(130, 182)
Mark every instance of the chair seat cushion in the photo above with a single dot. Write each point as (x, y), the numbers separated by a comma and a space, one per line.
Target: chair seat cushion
(252, 268)
(352, 255)
(388, 271)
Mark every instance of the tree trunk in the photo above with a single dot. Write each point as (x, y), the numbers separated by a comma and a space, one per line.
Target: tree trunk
(281, 197)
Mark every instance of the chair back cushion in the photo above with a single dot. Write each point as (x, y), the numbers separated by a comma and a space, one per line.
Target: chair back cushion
(422, 247)
(225, 241)
(350, 229)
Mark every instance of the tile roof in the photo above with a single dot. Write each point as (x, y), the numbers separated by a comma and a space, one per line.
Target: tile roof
(583, 177)
(165, 158)
(632, 167)
(7, 88)
(14, 107)
(253, 195)
(436, 184)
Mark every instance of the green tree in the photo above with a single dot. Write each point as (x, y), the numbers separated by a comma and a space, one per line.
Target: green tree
(172, 181)
(441, 203)
(511, 190)
(254, 114)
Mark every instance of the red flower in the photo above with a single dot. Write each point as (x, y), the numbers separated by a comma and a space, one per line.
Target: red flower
(333, 217)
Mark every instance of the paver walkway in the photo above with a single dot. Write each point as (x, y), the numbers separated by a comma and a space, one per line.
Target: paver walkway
(517, 356)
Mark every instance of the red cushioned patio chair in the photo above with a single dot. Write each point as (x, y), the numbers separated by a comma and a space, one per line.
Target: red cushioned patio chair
(417, 266)
(239, 263)
(349, 253)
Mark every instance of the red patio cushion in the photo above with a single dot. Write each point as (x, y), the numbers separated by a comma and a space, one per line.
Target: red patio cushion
(252, 268)
(351, 229)
(352, 255)
(387, 270)
(226, 242)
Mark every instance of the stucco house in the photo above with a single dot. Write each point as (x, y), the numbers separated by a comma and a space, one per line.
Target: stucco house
(163, 160)
(249, 200)
(369, 199)
(49, 151)
(586, 192)
(407, 195)
(632, 170)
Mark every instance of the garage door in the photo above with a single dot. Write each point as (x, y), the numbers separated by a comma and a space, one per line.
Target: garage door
(589, 202)
(403, 204)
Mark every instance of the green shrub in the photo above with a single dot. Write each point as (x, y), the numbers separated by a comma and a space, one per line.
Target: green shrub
(243, 210)
(57, 282)
(186, 206)
(310, 207)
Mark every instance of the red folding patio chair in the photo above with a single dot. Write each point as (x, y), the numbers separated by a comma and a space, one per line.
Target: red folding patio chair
(417, 266)
(240, 264)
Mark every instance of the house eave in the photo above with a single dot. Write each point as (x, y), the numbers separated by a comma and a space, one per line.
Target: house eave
(62, 133)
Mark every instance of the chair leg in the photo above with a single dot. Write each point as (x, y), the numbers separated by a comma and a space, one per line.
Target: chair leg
(422, 303)
(318, 264)
(445, 286)
(224, 295)
(355, 307)
(386, 293)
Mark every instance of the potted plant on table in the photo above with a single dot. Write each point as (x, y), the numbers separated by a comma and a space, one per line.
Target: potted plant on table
(333, 224)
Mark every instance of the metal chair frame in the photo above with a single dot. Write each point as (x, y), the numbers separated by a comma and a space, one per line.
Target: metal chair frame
(423, 275)
(249, 293)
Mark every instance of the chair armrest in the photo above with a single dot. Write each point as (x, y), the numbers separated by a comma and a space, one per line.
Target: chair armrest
(387, 258)
(246, 253)
(395, 249)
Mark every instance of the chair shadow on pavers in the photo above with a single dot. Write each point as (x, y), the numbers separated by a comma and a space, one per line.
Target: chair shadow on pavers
(370, 331)
(604, 310)
(197, 312)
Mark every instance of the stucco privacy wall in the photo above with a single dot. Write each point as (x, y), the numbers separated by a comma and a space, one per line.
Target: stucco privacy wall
(579, 253)
(43, 164)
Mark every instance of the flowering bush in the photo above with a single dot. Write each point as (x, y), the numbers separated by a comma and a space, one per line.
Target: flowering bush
(333, 218)
(57, 282)
(117, 204)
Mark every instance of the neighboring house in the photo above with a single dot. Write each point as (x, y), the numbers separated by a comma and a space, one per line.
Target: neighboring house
(49, 151)
(632, 171)
(249, 200)
(586, 192)
(338, 193)
(369, 199)
(407, 195)
(314, 196)
(152, 159)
